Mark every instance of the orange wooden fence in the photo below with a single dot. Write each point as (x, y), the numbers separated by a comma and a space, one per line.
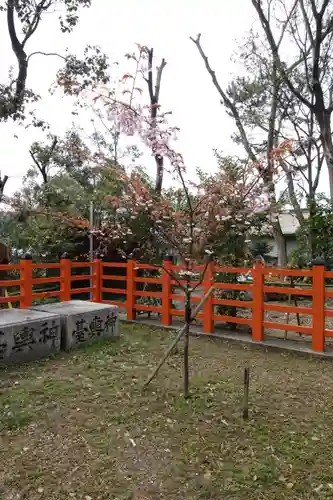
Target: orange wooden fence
(169, 293)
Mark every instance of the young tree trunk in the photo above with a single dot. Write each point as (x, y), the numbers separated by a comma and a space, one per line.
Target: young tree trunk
(186, 346)
(186, 365)
(179, 335)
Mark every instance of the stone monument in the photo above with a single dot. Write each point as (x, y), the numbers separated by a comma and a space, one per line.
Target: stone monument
(84, 322)
(27, 335)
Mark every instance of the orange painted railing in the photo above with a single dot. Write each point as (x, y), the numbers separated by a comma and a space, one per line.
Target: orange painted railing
(169, 292)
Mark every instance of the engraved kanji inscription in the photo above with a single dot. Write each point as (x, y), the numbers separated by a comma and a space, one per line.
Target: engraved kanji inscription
(96, 327)
(110, 322)
(3, 345)
(24, 339)
(49, 333)
(81, 330)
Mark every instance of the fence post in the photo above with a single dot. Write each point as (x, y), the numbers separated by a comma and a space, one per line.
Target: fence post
(258, 298)
(208, 309)
(318, 305)
(97, 281)
(26, 282)
(130, 290)
(65, 278)
(167, 290)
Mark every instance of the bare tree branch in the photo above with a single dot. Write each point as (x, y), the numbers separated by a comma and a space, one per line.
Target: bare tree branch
(43, 164)
(154, 95)
(306, 22)
(225, 99)
(316, 104)
(275, 52)
(286, 23)
(265, 172)
(38, 52)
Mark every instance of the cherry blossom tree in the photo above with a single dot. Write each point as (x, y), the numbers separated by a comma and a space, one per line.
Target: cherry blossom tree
(228, 200)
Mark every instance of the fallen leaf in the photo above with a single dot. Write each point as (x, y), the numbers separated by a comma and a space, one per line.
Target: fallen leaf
(290, 485)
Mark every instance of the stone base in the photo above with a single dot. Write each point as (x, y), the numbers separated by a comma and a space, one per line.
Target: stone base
(26, 335)
(84, 322)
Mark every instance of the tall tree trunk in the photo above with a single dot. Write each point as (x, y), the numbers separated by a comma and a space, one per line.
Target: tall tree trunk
(15, 105)
(154, 95)
(280, 243)
(3, 182)
(324, 120)
(293, 199)
(159, 160)
(268, 174)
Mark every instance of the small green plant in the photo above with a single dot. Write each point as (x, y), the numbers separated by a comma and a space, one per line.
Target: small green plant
(260, 248)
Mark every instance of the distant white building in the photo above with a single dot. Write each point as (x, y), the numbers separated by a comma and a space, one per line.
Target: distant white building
(289, 226)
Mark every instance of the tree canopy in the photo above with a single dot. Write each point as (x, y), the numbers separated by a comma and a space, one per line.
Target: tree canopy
(280, 105)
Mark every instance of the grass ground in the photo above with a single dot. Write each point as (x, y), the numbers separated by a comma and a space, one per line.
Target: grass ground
(78, 427)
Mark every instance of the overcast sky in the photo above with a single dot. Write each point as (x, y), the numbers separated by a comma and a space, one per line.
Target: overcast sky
(116, 26)
(165, 25)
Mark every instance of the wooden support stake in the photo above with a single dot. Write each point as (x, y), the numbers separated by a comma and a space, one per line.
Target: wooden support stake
(246, 393)
(177, 338)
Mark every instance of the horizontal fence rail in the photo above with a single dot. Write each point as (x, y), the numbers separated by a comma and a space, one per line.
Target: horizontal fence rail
(147, 289)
